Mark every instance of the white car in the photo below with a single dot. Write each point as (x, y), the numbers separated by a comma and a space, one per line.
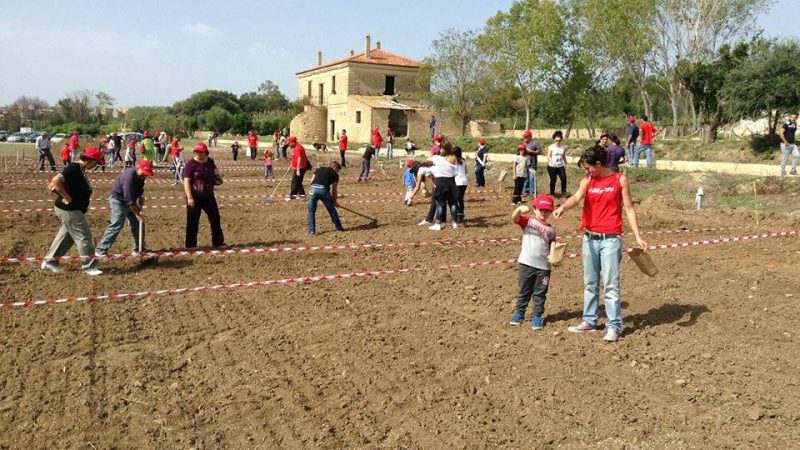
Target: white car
(58, 137)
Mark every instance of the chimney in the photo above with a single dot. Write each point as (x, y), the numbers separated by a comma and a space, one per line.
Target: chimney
(378, 45)
(366, 46)
(319, 58)
(352, 52)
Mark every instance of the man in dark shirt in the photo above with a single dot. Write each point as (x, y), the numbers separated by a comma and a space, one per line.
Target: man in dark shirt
(632, 136)
(788, 145)
(125, 201)
(365, 162)
(532, 151)
(324, 187)
(74, 192)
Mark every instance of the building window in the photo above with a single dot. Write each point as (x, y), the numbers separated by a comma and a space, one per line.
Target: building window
(389, 89)
(309, 89)
(333, 84)
(358, 116)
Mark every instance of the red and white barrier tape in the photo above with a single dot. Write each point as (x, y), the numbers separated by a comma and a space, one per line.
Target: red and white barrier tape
(326, 247)
(350, 275)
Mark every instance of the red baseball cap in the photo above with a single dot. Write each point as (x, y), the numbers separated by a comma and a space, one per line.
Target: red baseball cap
(522, 147)
(482, 141)
(527, 134)
(544, 202)
(409, 163)
(75, 133)
(93, 153)
(146, 167)
(200, 147)
(631, 118)
(291, 140)
(437, 137)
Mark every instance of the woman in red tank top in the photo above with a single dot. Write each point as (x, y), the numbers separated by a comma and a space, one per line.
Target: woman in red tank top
(605, 194)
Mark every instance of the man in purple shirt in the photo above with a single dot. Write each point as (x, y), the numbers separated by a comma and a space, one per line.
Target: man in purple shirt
(616, 154)
(126, 200)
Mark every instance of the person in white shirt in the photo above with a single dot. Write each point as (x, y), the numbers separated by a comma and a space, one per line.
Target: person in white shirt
(43, 147)
(557, 164)
(461, 184)
(444, 191)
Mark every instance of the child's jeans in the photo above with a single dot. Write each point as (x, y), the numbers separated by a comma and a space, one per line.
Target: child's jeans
(409, 191)
(534, 283)
(268, 172)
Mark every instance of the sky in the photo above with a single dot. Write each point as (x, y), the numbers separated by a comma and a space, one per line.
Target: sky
(148, 52)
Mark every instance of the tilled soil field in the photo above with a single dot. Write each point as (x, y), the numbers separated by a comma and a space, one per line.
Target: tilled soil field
(382, 357)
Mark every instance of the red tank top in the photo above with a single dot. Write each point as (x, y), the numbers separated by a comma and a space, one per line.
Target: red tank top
(602, 205)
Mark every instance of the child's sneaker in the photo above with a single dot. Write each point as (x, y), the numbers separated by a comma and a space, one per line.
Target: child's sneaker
(423, 223)
(537, 323)
(584, 327)
(516, 319)
(612, 335)
(435, 227)
(52, 267)
(93, 272)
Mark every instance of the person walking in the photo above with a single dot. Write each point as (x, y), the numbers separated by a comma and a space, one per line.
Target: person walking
(343, 148)
(389, 143)
(276, 144)
(557, 164)
(74, 145)
(252, 145)
(377, 141)
(300, 165)
(235, 150)
(111, 151)
(519, 169)
(284, 146)
(481, 160)
(605, 194)
(117, 145)
(163, 143)
(788, 146)
(199, 178)
(461, 184)
(66, 155)
(648, 131)
(130, 153)
(631, 137)
(176, 153)
(125, 203)
(366, 160)
(148, 147)
(74, 193)
(432, 126)
(43, 147)
(532, 151)
(324, 187)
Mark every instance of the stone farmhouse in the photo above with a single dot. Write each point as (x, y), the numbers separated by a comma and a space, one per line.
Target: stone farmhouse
(375, 87)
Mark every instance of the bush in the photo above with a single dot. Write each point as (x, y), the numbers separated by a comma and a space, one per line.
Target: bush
(242, 123)
(763, 144)
(69, 127)
(267, 123)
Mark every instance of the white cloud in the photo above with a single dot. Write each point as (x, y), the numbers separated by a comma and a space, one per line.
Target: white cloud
(257, 49)
(202, 30)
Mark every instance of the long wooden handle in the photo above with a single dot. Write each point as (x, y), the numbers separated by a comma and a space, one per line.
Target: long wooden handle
(141, 237)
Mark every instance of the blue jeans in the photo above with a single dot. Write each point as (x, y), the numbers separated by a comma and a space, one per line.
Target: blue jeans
(389, 148)
(601, 257)
(647, 148)
(530, 183)
(480, 181)
(317, 192)
(629, 150)
(120, 212)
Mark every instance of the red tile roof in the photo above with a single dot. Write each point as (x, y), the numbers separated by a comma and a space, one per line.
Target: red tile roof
(376, 56)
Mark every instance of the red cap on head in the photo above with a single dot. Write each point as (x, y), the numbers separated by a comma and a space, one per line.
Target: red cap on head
(544, 202)
(437, 137)
(482, 141)
(522, 147)
(146, 167)
(527, 134)
(200, 147)
(291, 140)
(409, 163)
(75, 133)
(631, 118)
(93, 153)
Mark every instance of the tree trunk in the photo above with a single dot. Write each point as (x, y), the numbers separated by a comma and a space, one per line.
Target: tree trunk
(527, 116)
(646, 102)
(675, 101)
(569, 129)
(712, 130)
(590, 122)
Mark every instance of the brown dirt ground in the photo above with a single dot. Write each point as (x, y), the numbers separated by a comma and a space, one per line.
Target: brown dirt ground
(425, 360)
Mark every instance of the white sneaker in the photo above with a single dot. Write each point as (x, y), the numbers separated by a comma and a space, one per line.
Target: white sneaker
(423, 223)
(612, 335)
(435, 227)
(455, 225)
(93, 272)
(47, 265)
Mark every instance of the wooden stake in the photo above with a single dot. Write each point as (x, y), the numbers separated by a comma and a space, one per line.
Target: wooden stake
(758, 216)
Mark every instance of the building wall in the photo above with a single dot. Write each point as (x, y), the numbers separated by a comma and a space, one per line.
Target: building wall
(371, 80)
(478, 128)
(310, 125)
(419, 124)
(325, 76)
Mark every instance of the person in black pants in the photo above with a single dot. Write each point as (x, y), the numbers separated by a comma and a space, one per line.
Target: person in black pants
(199, 178)
(300, 165)
(557, 164)
(520, 169)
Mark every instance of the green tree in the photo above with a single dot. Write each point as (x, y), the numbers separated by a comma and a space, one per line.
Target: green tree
(525, 47)
(104, 101)
(242, 123)
(218, 119)
(765, 84)
(201, 102)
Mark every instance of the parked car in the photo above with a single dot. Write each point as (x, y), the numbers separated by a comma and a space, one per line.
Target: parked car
(31, 137)
(17, 137)
(85, 137)
(3, 135)
(127, 136)
(58, 137)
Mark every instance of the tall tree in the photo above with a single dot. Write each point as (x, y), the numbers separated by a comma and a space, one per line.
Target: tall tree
(218, 119)
(104, 102)
(453, 70)
(201, 102)
(525, 47)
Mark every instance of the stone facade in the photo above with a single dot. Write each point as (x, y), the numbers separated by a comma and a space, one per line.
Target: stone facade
(478, 128)
(309, 126)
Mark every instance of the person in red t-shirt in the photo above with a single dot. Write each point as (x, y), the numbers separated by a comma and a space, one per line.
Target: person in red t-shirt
(647, 131)
(74, 145)
(177, 160)
(252, 145)
(299, 165)
(377, 141)
(343, 148)
(605, 194)
(66, 154)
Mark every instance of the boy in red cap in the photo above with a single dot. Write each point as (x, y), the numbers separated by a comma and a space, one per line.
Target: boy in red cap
(410, 182)
(538, 242)
(130, 153)
(533, 149)
(343, 148)
(377, 141)
(437, 144)
(252, 145)
(66, 154)
(74, 145)
(520, 166)
(125, 203)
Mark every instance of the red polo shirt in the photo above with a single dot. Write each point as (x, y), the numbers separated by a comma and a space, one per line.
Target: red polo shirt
(343, 142)
(252, 141)
(299, 159)
(73, 142)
